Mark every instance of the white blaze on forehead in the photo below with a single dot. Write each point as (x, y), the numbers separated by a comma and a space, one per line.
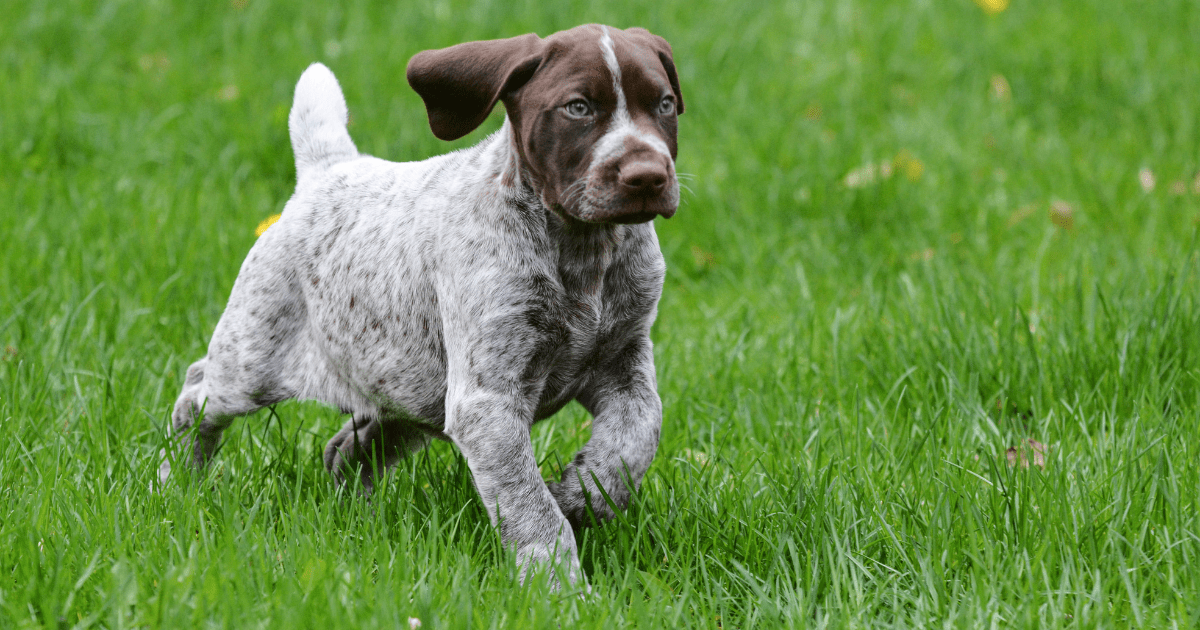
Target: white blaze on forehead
(613, 142)
(614, 68)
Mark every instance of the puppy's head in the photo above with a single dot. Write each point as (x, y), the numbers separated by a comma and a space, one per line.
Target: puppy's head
(592, 109)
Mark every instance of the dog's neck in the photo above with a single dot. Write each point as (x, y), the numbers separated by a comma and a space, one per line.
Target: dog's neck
(585, 250)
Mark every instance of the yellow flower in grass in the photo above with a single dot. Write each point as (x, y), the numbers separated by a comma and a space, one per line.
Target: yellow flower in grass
(992, 7)
(912, 167)
(266, 223)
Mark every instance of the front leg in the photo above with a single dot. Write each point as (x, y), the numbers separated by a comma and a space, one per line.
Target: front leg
(497, 366)
(492, 432)
(622, 397)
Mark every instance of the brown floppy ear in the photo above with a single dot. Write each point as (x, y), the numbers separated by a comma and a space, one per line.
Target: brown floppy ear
(461, 84)
(663, 49)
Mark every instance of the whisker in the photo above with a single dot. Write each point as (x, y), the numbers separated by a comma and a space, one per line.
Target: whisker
(577, 188)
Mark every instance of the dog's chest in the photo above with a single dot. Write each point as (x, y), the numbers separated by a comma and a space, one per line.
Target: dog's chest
(604, 293)
(581, 310)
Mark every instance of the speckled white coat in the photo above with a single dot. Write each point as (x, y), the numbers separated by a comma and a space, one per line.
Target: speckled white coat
(442, 299)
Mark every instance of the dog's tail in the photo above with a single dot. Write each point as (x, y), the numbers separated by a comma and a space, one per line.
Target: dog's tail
(317, 123)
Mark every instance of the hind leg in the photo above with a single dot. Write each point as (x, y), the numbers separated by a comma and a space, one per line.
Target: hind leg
(215, 391)
(202, 413)
(370, 446)
(250, 362)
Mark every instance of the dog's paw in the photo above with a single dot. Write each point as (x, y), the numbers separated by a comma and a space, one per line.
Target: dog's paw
(563, 572)
(344, 460)
(573, 499)
(338, 455)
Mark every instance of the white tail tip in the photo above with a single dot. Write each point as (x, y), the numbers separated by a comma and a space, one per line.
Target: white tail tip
(317, 123)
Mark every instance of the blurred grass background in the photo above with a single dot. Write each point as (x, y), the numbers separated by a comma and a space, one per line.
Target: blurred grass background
(916, 235)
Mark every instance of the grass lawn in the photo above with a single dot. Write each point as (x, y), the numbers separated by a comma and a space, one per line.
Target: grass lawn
(915, 235)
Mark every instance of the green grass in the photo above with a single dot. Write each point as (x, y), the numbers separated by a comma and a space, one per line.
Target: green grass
(842, 367)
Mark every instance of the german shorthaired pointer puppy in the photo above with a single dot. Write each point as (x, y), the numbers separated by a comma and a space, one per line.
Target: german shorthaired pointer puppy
(470, 295)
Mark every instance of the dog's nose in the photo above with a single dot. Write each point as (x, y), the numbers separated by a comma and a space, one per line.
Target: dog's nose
(643, 178)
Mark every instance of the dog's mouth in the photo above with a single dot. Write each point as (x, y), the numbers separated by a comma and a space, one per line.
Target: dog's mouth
(641, 211)
(621, 216)
(622, 209)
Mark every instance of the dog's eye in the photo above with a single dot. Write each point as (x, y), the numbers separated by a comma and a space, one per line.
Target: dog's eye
(666, 107)
(578, 108)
